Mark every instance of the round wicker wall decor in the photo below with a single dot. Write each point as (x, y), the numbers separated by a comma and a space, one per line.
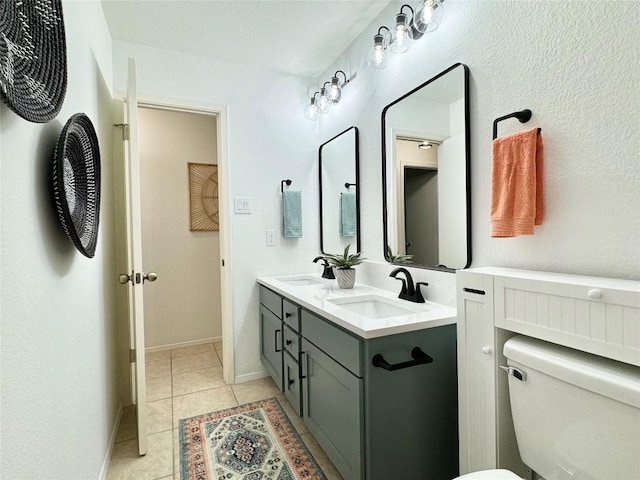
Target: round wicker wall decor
(33, 58)
(76, 182)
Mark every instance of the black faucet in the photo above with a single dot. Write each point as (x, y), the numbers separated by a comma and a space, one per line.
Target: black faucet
(328, 269)
(409, 291)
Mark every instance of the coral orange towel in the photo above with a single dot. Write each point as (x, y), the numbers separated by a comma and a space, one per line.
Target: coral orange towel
(516, 184)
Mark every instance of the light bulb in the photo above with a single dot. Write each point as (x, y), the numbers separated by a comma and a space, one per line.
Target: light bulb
(402, 35)
(377, 56)
(428, 15)
(335, 91)
(324, 104)
(311, 110)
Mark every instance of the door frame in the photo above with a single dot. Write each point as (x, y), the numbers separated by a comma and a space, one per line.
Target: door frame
(226, 293)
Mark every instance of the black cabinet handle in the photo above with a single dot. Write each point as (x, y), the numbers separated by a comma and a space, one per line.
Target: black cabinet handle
(287, 315)
(291, 382)
(275, 341)
(288, 342)
(473, 290)
(419, 358)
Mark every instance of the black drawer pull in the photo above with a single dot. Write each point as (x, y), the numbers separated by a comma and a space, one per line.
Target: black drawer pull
(419, 358)
(473, 290)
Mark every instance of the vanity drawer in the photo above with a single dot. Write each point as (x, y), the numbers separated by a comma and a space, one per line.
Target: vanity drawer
(271, 300)
(291, 314)
(291, 342)
(342, 347)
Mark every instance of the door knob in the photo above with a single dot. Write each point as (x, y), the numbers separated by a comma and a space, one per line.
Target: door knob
(150, 277)
(123, 278)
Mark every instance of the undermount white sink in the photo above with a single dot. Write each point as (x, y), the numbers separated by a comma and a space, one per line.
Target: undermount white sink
(299, 281)
(374, 306)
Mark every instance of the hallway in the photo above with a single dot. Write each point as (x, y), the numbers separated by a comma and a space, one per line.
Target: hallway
(182, 383)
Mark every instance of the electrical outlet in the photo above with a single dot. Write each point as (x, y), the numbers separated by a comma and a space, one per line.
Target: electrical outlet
(271, 238)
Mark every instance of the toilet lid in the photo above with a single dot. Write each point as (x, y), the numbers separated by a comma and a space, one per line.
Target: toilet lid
(490, 475)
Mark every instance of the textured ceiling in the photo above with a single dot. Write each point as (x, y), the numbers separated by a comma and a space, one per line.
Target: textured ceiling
(302, 37)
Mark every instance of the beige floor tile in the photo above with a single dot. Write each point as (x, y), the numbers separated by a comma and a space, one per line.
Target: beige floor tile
(127, 429)
(197, 380)
(198, 361)
(255, 390)
(158, 388)
(155, 356)
(181, 352)
(185, 406)
(158, 368)
(320, 457)
(218, 348)
(159, 415)
(126, 464)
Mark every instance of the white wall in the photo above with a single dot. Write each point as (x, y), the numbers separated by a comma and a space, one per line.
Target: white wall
(184, 304)
(59, 392)
(269, 140)
(577, 70)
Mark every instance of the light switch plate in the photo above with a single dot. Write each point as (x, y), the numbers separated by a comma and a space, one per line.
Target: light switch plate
(242, 205)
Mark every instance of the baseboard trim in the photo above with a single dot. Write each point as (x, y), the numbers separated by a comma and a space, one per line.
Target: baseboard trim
(190, 343)
(112, 442)
(247, 377)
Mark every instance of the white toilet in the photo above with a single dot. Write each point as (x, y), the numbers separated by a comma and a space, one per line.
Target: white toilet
(576, 415)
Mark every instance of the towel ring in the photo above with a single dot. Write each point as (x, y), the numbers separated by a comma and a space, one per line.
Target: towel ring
(523, 116)
(287, 181)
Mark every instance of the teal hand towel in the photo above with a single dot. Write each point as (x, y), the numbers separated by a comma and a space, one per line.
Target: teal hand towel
(292, 213)
(348, 214)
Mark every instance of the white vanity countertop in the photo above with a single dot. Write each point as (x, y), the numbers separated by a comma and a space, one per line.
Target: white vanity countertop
(316, 298)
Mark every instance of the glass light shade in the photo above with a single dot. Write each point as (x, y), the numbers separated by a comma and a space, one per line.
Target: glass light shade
(324, 104)
(402, 35)
(377, 56)
(335, 91)
(428, 15)
(311, 110)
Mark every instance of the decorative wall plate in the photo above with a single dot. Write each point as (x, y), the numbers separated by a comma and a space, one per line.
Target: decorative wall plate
(76, 182)
(33, 58)
(203, 187)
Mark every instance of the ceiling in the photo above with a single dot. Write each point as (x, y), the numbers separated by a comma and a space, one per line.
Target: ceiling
(300, 37)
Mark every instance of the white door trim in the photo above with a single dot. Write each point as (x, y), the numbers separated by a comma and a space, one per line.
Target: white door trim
(226, 294)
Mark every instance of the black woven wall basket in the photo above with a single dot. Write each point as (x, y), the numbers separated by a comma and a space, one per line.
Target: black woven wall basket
(76, 182)
(33, 58)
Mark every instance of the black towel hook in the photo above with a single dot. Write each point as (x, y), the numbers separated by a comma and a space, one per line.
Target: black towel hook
(523, 115)
(287, 181)
(347, 185)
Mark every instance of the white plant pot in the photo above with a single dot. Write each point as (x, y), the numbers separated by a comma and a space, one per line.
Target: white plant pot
(346, 277)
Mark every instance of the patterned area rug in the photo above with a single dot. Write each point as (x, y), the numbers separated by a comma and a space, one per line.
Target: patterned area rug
(255, 441)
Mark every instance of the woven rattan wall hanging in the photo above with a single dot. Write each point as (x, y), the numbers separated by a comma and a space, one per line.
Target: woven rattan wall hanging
(33, 58)
(76, 182)
(203, 204)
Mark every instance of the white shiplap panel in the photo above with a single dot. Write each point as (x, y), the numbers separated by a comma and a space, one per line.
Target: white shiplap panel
(631, 322)
(569, 315)
(598, 321)
(583, 317)
(615, 330)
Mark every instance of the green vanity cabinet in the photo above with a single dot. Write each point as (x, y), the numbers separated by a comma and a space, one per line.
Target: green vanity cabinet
(271, 326)
(380, 408)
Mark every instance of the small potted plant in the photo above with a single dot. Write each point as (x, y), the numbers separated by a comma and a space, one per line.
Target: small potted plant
(345, 273)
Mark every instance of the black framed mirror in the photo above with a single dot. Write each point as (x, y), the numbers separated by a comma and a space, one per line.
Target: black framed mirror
(339, 196)
(426, 177)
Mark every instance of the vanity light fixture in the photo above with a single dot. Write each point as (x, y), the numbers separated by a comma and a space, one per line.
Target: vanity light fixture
(428, 15)
(377, 56)
(335, 90)
(425, 145)
(311, 110)
(324, 104)
(403, 33)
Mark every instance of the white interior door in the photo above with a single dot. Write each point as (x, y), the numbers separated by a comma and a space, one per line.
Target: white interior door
(134, 258)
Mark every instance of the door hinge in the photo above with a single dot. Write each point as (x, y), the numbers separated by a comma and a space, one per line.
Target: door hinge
(125, 130)
(223, 262)
(132, 355)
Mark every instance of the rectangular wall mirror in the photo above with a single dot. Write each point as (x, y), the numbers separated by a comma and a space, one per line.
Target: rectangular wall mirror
(426, 174)
(339, 197)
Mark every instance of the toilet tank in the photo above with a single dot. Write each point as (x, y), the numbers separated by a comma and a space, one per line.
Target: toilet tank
(576, 415)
